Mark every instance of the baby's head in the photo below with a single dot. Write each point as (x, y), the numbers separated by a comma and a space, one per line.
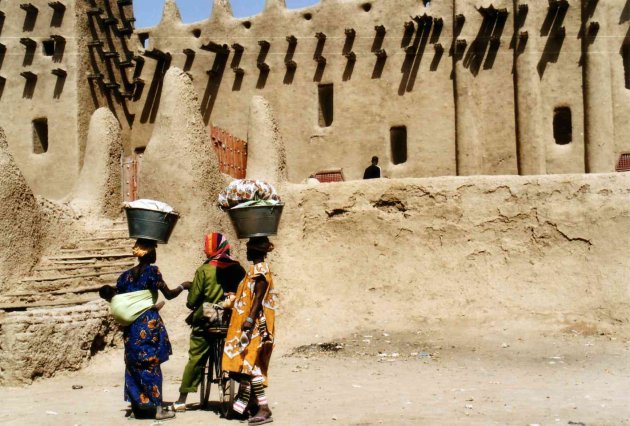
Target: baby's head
(107, 292)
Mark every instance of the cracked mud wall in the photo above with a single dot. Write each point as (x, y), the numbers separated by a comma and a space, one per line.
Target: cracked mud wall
(41, 344)
(401, 253)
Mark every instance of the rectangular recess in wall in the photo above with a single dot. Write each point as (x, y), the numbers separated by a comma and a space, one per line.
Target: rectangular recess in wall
(48, 47)
(40, 135)
(326, 104)
(398, 143)
(562, 125)
(144, 39)
(625, 55)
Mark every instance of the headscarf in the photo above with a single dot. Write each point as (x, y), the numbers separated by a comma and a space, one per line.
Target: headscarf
(143, 247)
(261, 244)
(217, 249)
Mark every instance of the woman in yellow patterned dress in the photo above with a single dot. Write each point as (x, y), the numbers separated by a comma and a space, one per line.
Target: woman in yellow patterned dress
(250, 338)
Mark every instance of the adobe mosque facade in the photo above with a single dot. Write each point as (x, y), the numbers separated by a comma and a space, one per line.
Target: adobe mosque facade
(439, 88)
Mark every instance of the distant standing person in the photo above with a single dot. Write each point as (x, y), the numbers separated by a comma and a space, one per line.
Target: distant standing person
(373, 171)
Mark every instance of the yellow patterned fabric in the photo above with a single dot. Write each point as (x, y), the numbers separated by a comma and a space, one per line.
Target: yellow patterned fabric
(251, 357)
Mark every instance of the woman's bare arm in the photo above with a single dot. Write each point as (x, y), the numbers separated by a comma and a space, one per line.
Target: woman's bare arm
(260, 289)
(173, 293)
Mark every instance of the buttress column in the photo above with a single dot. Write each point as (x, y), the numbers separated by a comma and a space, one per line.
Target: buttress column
(530, 141)
(469, 156)
(598, 101)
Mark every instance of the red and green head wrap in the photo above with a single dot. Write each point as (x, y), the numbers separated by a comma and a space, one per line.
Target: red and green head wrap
(217, 249)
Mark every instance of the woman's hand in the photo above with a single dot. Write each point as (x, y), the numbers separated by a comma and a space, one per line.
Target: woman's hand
(172, 294)
(228, 303)
(248, 325)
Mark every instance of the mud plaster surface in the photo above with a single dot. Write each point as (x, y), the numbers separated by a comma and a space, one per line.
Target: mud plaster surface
(399, 251)
(20, 219)
(98, 188)
(181, 169)
(266, 157)
(31, 224)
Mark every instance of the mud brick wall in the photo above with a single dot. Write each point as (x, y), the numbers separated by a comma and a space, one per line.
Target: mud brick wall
(378, 254)
(39, 342)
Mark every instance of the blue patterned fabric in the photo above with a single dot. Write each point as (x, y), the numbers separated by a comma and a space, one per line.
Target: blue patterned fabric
(146, 343)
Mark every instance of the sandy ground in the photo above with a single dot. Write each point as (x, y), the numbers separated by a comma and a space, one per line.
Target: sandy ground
(512, 375)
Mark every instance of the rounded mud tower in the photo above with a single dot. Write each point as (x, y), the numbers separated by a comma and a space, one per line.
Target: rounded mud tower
(98, 187)
(181, 169)
(20, 220)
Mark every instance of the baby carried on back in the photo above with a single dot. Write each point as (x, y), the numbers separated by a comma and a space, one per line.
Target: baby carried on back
(127, 307)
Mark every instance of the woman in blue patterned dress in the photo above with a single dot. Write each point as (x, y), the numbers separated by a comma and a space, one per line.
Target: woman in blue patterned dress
(146, 340)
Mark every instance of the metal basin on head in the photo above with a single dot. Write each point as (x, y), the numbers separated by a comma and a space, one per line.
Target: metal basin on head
(256, 221)
(151, 224)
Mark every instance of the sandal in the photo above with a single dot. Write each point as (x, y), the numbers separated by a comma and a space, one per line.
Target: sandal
(179, 407)
(260, 420)
(166, 415)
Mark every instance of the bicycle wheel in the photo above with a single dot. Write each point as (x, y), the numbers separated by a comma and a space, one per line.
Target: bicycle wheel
(217, 354)
(227, 386)
(227, 392)
(206, 381)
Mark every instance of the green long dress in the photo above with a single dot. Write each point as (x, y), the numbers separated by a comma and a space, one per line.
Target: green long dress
(205, 288)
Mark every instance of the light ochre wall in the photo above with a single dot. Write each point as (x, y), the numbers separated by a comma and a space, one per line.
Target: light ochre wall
(459, 121)
(365, 107)
(497, 120)
(54, 172)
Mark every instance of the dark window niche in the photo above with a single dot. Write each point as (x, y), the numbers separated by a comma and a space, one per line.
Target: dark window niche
(48, 47)
(562, 126)
(196, 33)
(326, 104)
(139, 152)
(398, 142)
(144, 39)
(247, 24)
(625, 54)
(40, 135)
(308, 16)
(366, 7)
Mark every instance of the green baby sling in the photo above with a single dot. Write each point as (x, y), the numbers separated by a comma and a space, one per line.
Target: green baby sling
(127, 307)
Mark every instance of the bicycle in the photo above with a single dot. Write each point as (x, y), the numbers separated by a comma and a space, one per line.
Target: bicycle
(213, 374)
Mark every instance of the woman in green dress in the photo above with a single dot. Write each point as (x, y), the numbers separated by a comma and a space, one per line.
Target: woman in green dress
(219, 274)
